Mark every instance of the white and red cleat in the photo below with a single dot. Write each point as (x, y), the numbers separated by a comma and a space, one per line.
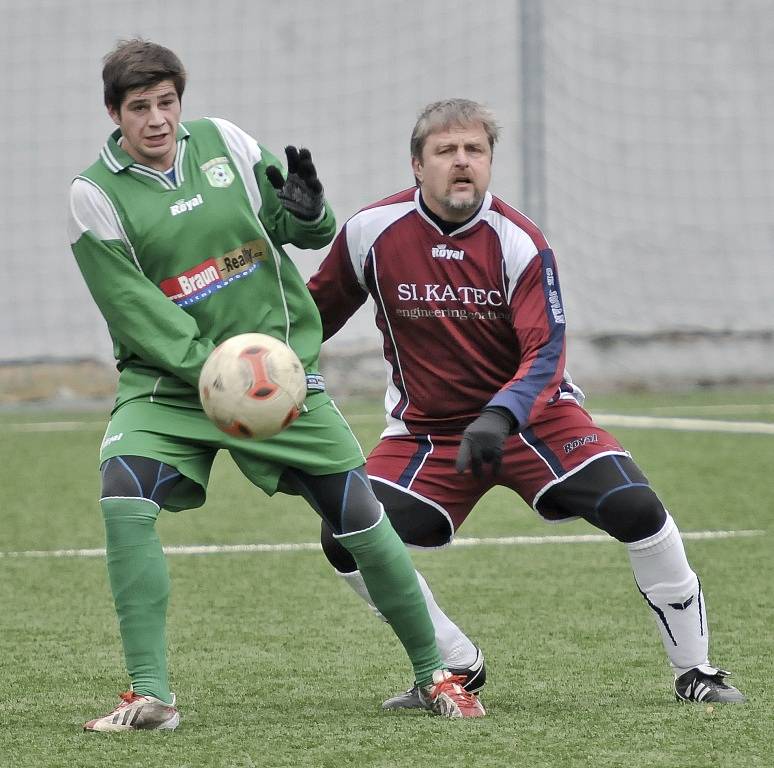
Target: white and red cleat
(445, 696)
(138, 713)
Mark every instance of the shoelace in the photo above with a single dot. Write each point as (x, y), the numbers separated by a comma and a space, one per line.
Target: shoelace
(455, 683)
(127, 697)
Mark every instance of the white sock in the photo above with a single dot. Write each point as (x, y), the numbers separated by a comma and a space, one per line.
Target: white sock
(457, 650)
(673, 592)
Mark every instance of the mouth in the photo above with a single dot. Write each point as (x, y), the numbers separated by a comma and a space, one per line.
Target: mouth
(157, 139)
(461, 182)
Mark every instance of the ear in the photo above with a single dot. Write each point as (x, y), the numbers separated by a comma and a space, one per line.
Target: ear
(115, 115)
(416, 166)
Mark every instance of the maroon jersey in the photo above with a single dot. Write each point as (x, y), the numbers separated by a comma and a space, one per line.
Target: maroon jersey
(468, 319)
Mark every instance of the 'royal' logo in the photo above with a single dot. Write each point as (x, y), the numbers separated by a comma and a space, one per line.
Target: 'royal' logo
(442, 251)
(579, 442)
(110, 440)
(181, 206)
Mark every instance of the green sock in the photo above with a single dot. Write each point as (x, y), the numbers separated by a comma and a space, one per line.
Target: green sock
(391, 579)
(139, 581)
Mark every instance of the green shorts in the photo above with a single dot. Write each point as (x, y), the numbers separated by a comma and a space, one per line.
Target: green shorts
(318, 442)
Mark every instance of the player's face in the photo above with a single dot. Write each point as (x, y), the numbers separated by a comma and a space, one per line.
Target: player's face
(454, 171)
(148, 119)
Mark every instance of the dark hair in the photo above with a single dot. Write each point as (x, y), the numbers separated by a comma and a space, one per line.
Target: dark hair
(139, 64)
(441, 115)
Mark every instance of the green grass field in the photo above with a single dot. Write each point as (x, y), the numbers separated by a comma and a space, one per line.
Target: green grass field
(276, 663)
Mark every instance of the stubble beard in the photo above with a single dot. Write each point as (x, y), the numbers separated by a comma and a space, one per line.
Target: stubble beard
(461, 205)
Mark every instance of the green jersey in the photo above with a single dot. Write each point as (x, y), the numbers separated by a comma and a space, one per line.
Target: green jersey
(179, 261)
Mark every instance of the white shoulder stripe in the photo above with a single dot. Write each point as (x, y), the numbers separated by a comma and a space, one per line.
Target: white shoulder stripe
(245, 153)
(242, 146)
(517, 247)
(364, 228)
(92, 211)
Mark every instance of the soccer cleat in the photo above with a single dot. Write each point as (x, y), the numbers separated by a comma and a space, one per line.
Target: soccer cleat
(137, 713)
(705, 684)
(475, 677)
(446, 697)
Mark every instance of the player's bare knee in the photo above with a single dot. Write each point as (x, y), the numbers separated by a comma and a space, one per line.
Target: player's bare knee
(631, 513)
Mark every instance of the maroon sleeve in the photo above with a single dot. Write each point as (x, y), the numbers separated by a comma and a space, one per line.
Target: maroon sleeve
(335, 289)
(539, 323)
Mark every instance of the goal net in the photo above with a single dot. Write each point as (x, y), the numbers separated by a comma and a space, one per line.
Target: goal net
(659, 185)
(635, 132)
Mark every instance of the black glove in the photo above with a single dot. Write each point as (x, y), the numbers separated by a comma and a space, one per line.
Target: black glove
(301, 193)
(482, 441)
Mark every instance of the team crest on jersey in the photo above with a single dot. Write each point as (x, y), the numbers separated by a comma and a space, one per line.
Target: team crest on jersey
(218, 172)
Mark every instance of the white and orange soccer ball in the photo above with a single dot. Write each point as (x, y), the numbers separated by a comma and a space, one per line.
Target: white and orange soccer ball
(252, 386)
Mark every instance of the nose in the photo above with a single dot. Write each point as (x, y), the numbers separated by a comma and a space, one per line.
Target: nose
(461, 157)
(156, 116)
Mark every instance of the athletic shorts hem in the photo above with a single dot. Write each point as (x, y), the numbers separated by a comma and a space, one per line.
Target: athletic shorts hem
(563, 477)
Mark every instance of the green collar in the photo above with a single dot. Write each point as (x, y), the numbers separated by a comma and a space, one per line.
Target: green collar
(117, 159)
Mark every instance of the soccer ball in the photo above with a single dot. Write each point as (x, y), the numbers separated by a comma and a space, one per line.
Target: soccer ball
(252, 385)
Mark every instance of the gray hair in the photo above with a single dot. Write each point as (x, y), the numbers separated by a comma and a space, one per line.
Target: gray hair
(441, 115)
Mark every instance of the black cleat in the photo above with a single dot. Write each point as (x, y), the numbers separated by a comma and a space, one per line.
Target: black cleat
(475, 677)
(706, 684)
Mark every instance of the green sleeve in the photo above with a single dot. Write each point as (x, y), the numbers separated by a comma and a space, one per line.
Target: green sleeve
(139, 316)
(282, 225)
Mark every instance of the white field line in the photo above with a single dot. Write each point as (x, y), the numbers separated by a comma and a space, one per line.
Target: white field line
(727, 409)
(684, 425)
(603, 419)
(232, 549)
(54, 426)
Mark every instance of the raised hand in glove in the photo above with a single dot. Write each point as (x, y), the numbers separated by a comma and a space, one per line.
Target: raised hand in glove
(482, 441)
(301, 192)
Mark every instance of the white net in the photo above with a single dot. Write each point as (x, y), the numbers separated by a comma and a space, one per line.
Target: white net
(656, 185)
(346, 79)
(660, 184)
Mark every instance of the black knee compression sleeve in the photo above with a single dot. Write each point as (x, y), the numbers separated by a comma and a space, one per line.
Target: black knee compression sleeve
(138, 477)
(414, 520)
(631, 513)
(613, 494)
(345, 500)
(338, 556)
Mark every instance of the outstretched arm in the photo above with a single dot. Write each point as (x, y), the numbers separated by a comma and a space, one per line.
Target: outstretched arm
(294, 208)
(335, 287)
(539, 323)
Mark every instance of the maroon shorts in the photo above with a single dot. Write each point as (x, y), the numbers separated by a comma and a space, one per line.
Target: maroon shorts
(562, 441)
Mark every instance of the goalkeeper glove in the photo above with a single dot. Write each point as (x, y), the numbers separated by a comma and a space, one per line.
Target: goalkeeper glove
(301, 192)
(482, 441)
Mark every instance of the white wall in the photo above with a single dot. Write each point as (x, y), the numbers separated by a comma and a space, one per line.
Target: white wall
(345, 78)
(659, 156)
